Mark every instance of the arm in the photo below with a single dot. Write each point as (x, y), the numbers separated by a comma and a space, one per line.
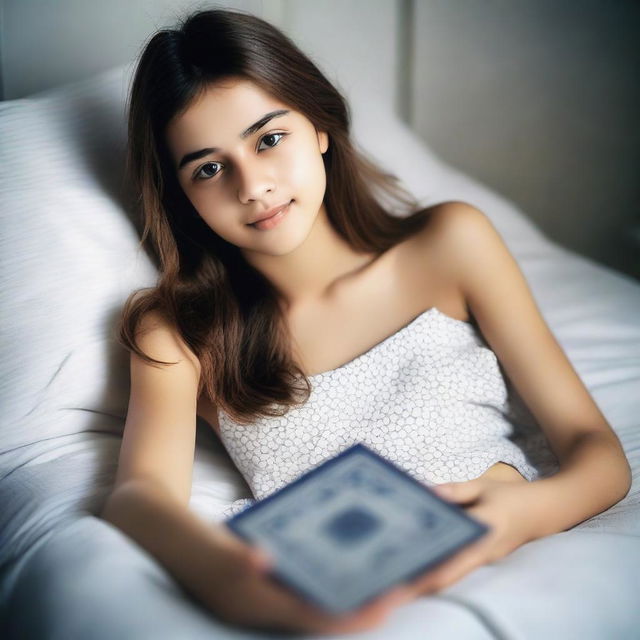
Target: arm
(160, 523)
(150, 500)
(153, 485)
(594, 475)
(594, 472)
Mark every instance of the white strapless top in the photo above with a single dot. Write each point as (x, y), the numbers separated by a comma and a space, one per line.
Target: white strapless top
(431, 398)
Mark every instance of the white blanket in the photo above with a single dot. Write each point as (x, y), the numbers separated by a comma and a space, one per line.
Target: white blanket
(70, 258)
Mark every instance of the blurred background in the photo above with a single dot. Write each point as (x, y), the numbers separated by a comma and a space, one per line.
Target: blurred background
(537, 99)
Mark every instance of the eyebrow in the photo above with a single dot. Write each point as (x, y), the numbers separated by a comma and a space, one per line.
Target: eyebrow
(256, 126)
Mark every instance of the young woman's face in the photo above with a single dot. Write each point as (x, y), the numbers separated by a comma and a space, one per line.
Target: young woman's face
(236, 160)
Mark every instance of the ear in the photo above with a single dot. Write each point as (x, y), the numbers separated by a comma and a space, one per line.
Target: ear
(323, 141)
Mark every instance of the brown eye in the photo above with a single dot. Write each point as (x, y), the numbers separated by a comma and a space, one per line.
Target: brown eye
(207, 171)
(269, 137)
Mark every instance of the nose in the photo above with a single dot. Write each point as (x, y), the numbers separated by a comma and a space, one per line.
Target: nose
(254, 180)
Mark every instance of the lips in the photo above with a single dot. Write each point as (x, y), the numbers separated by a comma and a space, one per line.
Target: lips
(269, 214)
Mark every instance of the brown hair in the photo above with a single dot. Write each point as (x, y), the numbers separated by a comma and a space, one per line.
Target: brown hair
(223, 308)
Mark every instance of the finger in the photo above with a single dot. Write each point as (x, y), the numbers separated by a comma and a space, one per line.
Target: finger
(289, 613)
(304, 617)
(370, 615)
(260, 560)
(389, 600)
(270, 604)
(282, 607)
(459, 491)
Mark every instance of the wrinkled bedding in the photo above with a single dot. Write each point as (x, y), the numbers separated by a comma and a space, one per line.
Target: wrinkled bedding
(70, 257)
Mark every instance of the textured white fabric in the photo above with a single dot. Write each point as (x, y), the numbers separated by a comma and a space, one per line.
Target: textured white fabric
(431, 398)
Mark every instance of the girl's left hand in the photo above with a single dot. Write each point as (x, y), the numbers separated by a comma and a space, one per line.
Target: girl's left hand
(502, 505)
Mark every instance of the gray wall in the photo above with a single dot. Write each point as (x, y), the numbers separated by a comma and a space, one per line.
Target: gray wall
(540, 100)
(44, 43)
(535, 98)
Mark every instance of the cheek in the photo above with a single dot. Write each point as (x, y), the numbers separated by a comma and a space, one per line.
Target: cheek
(209, 210)
(206, 203)
(307, 171)
(201, 203)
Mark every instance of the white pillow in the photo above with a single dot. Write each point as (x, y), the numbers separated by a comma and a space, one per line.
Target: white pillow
(69, 259)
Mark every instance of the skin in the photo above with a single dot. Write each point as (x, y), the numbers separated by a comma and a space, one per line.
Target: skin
(359, 299)
(303, 257)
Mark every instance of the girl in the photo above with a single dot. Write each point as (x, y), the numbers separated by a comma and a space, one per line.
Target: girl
(297, 315)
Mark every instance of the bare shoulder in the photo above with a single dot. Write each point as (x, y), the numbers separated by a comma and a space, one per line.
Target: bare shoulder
(159, 434)
(161, 340)
(470, 252)
(451, 227)
(466, 244)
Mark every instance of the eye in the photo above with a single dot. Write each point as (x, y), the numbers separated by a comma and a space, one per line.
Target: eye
(206, 171)
(271, 136)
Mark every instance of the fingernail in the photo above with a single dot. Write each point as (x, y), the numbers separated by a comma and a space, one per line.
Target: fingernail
(403, 595)
(399, 594)
(262, 559)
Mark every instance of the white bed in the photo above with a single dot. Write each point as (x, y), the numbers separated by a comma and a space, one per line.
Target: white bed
(70, 257)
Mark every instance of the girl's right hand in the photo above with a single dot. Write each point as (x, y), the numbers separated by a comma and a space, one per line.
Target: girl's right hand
(241, 593)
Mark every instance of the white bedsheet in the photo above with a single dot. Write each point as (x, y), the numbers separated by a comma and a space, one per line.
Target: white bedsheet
(69, 259)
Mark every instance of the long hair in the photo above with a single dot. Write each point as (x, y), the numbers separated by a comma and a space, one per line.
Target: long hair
(222, 307)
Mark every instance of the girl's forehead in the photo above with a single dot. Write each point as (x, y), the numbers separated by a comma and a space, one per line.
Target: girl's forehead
(225, 113)
(225, 105)
(233, 95)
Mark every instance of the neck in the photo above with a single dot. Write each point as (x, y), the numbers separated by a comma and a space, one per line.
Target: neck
(310, 274)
